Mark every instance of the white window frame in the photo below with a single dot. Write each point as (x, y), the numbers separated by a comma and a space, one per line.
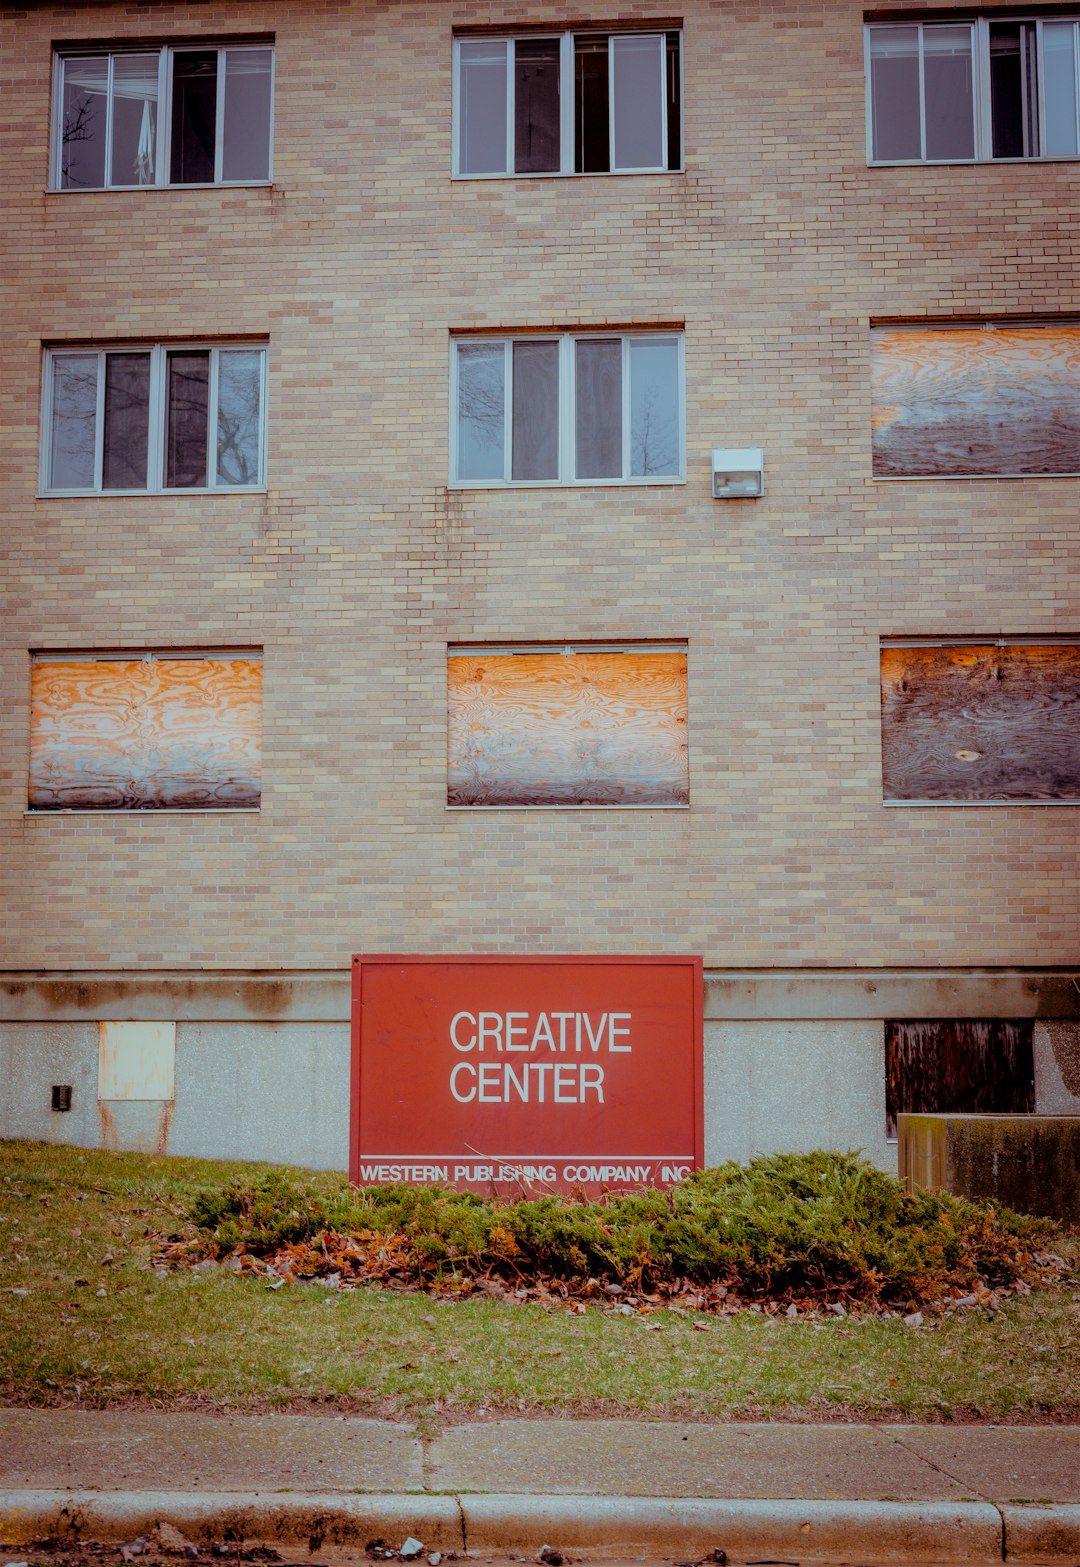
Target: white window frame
(567, 410)
(983, 122)
(155, 463)
(163, 151)
(566, 103)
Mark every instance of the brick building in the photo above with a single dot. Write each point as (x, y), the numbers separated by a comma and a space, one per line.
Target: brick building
(358, 354)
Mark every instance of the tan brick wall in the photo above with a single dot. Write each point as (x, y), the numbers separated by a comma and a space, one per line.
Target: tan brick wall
(354, 571)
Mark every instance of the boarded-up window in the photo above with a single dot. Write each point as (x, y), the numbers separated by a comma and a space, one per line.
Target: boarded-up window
(964, 1066)
(560, 726)
(989, 721)
(959, 401)
(156, 732)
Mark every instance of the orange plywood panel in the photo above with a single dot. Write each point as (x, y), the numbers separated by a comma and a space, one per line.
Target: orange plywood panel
(968, 722)
(979, 401)
(549, 728)
(138, 734)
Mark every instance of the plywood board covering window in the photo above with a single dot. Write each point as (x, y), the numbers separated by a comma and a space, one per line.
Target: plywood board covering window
(981, 722)
(959, 1066)
(154, 732)
(554, 727)
(951, 402)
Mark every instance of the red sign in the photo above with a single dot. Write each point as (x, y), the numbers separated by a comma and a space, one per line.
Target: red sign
(525, 1074)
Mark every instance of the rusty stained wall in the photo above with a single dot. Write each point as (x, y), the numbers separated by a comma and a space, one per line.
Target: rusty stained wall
(145, 734)
(554, 728)
(950, 400)
(967, 722)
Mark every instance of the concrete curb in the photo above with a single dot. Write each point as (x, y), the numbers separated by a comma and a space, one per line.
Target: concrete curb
(879, 1532)
(937, 1532)
(292, 1517)
(1042, 1534)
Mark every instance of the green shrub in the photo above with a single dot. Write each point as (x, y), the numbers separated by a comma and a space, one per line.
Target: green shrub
(786, 1225)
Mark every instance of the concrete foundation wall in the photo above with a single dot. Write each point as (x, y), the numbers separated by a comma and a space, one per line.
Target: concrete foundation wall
(793, 1086)
(793, 1060)
(266, 1091)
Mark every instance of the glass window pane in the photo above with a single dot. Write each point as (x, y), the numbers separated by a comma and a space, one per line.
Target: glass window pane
(1013, 94)
(186, 414)
(127, 421)
(639, 101)
(536, 105)
(194, 116)
(950, 99)
(1059, 88)
(654, 408)
(482, 107)
(481, 401)
(592, 151)
(239, 422)
(135, 115)
(674, 102)
(246, 133)
(894, 93)
(536, 411)
(598, 401)
(82, 134)
(74, 419)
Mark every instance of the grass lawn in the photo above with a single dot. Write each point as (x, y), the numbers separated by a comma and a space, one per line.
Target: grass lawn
(84, 1319)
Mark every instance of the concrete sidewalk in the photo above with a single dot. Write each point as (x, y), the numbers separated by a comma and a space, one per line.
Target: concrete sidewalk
(884, 1493)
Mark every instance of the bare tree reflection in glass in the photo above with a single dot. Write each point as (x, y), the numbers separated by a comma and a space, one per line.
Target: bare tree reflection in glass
(86, 100)
(654, 409)
(74, 420)
(481, 411)
(238, 422)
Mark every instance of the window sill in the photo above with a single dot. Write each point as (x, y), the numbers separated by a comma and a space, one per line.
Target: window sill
(112, 495)
(484, 809)
(954, 478)
(669, 481)
(155, 813)
(966, 163)
(139, 190)
(568, 174)
(892, 805)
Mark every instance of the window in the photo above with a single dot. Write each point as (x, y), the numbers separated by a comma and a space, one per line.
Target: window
(568, 103)
(994, 400)
(154, 418)
(145, 731)
(946, 92)
(551, 725)
(174, 116)
(981, 721)
(567, 409)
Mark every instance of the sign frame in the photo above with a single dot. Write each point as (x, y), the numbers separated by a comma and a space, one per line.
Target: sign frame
(362, 962)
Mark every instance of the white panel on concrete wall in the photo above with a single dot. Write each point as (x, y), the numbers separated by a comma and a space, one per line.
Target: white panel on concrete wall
(136, 1060)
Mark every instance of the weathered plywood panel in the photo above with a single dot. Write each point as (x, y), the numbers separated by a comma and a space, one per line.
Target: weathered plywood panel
(976, 1066)
(981, 722)
(549, 728)
(132, 734)
(136, 1061)
(957, 401)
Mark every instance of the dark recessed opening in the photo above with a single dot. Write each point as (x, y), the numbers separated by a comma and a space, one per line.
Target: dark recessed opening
(967, 1066)
(61, 1096)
